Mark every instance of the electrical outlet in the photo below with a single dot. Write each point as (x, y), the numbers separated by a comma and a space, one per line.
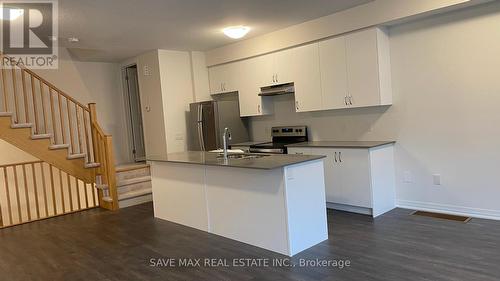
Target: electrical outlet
(407, 178)
(436, 179)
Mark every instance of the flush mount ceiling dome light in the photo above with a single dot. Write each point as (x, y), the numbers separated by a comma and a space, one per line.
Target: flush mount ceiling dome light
(236, 32)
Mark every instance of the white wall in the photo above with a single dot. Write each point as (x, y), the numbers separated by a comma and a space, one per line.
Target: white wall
(150, 91)
(373, 13)
(177, 93)
(445, 117)
(201, 87)
(89, 82)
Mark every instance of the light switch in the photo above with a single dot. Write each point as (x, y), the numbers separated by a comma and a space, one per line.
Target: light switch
(146, 70)
(436, 178)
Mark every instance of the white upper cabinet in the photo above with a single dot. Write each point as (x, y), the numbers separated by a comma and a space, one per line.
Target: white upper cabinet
(223, 78)
(283, 66)
(332, 55)
(304, 68)
(362, 68)
(355, 70)
(343, 72)
(249, 81)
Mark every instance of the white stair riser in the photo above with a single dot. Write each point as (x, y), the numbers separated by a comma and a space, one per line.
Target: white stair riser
(120, 176)
(134, 187)
(135, 201)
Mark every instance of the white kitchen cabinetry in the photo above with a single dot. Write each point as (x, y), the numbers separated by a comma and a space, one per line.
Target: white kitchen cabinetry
(305, 73)
(250, 79)
(343, 72)
(355, 70)
(333, 73)
(223, 78)
(357, 179)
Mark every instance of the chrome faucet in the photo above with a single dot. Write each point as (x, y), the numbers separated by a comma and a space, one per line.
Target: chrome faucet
(225, 137)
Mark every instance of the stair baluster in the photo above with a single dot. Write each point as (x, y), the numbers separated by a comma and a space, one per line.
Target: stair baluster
(71, 125)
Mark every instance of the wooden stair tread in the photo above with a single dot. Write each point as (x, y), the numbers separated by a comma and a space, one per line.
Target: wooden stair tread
(6, 114)
(59, 146)
(133, 181)
(76, 156)
(21, 125)
(92, 165)
(41, 136)
(131, 167)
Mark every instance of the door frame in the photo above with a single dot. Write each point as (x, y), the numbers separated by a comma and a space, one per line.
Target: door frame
(128, 128)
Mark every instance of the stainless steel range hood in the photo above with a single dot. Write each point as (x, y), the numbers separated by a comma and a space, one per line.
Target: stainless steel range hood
(276, 90)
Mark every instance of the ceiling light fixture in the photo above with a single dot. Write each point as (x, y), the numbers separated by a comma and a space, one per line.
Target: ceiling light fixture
(236, 32)
(13, 13)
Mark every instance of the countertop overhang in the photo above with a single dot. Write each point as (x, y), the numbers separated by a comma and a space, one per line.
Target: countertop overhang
(342, 144)
(268, 162)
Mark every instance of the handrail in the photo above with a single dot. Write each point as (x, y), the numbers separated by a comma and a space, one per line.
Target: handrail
(50, 111)
(21, 66)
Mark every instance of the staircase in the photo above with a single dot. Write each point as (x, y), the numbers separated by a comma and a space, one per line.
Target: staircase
(133, 184)
(42, 120)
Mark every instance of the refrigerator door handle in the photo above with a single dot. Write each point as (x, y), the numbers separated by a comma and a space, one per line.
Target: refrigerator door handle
(200, 127)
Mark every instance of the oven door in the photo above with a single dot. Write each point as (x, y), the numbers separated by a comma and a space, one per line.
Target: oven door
(267, 150)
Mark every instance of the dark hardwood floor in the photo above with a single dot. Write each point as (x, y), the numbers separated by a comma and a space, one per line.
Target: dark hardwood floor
(101, 245)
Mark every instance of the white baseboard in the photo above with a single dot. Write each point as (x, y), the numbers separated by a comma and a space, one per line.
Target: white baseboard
(349, 208)
(449, 209)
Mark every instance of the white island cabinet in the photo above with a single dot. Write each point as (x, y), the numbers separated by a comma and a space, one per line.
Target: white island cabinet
(359, 176)
(273, 202)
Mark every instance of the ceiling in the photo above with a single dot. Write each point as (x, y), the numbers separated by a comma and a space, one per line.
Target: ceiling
(113, 30)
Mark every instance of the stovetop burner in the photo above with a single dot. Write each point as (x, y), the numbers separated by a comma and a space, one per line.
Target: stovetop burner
(282, 136)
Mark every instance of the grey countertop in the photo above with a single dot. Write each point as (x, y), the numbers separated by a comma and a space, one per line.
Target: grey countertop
(342, 144)
(268, 162)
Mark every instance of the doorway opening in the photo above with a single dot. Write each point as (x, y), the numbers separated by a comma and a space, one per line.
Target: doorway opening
(133, 104)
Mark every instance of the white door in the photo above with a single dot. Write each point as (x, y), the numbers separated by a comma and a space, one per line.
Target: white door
(248, 87)
(216, 75)
(355, 180)
(333, 175)
(134, 109)
(284, 62)
(305, 68)
(333, 67)
(362, 68)
(265, 71)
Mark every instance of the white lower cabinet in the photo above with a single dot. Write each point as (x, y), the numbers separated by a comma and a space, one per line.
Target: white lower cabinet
(357, 179)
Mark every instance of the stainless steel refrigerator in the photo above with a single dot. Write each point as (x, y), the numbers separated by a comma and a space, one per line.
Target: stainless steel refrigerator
(208, 120)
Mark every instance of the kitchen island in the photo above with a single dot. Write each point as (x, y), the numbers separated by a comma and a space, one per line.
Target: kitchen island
(276, 202)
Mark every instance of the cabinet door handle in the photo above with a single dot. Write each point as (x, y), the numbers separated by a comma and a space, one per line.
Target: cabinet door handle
(345, 100)
(335, 156)
(277, 77)
(299, 153)
(340, 156)
(258, 108)
(273, 79)
(350, 100)
(297, 105)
